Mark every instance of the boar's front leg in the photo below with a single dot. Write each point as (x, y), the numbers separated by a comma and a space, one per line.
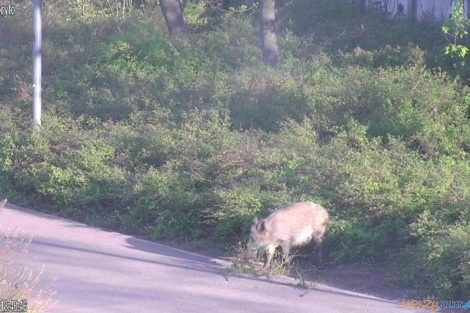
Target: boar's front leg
(270, 249)
(285, 250)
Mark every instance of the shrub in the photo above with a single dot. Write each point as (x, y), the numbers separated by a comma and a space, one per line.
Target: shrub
(143, 135)
(364, 240)
(168, 205)
(430, 114)
(173, 196)
(439, 262)
(66, 166)
(261, 98)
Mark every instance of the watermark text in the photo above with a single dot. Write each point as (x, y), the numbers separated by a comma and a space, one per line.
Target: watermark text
(433, 305)
(7, 10)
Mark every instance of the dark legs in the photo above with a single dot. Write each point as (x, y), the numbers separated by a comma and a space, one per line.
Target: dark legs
(319, 254)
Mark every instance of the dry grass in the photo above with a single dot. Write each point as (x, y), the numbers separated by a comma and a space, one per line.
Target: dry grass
(279, 266)
(17, 281)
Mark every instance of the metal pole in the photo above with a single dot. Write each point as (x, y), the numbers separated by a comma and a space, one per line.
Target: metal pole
(37, 66)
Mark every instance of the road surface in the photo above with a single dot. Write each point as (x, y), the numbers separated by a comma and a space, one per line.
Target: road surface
(94, 270)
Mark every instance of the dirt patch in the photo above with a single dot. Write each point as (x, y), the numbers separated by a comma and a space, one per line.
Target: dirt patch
(376, 279)
(373, 279)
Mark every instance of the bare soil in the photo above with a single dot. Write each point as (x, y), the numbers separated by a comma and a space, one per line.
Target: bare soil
(374, 278)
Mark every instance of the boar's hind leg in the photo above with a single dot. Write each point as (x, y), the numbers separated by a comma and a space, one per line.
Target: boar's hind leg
(318, 248)
(319, 254)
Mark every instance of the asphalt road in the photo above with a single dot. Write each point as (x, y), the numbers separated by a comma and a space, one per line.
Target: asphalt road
(94, 270)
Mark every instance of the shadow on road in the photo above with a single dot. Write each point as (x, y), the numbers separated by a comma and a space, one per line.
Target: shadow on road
(160, 249)
(156, 248)
(190, 264)
(138, 250)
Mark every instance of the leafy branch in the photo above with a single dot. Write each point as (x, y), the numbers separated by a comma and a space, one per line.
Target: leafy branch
(456, 31)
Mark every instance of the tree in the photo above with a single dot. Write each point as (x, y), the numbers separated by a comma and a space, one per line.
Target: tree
(456, 30)
(173, 13)
(268, 33)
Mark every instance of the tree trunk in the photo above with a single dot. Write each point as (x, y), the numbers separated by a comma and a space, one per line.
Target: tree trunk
(268, 33)
(363, 4)
(413, 10)
(173, 13)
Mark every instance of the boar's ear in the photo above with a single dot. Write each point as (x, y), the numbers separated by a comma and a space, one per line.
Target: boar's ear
(261, 227)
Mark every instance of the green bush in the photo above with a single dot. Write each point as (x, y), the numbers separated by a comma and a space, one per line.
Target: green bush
(66, 166)
(232, 45)
(167, 205)
(364, 240)
(439, 262)
(261, 98)
(424, 108)
(147, 137)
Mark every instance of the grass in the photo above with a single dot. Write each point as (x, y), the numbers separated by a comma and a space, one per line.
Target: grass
(280, 266)
(18, 282)
(364, 116)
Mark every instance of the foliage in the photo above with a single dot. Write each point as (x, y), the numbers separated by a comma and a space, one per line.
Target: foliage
(194, 14)
(89, 11)
(143, 136)
(337, 29)
(456, 29)
(440, 261)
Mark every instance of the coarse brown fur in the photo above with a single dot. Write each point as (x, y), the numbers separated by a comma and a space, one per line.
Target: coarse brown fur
(292, 226)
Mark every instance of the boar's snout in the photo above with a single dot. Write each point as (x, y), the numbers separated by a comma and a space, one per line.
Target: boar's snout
(254, 243)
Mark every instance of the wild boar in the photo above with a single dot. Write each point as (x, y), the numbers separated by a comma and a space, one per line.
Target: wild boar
(292, 226)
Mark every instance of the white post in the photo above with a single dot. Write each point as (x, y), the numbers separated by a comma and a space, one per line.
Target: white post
(37, 66)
